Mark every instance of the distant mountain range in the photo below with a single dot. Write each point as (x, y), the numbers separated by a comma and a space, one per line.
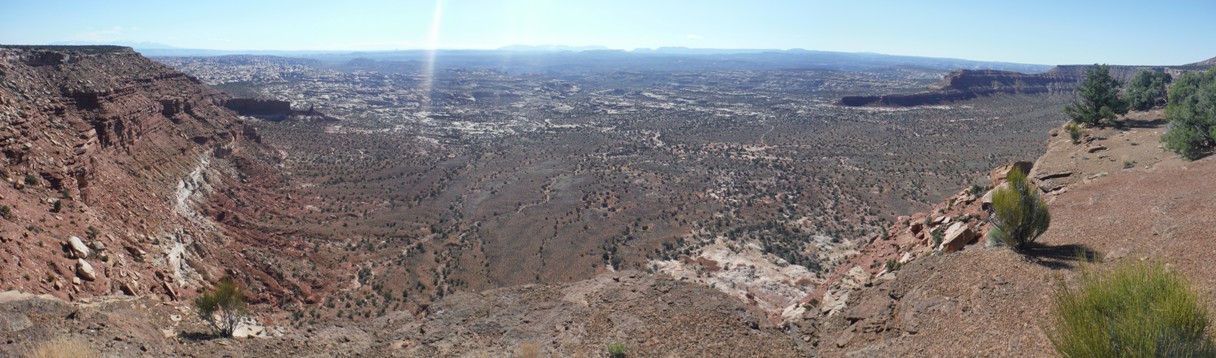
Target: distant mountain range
(561, 58)
(551, 48)
(764, 58)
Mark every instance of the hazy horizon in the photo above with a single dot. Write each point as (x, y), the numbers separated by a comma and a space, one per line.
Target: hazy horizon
(1032, 32)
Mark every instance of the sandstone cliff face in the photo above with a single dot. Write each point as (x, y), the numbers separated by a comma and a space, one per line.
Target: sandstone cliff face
(259, 107)
(127, 155)
(967, 84)
(986, 80)
(272, 109)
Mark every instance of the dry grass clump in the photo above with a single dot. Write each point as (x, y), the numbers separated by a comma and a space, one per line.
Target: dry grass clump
(528, 350)
(64, 347)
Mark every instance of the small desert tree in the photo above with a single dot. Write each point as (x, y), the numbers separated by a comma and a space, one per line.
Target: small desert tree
(1192, 114)
(222, 308)
(1147, 90)
(1098, 98)
(1019, 214)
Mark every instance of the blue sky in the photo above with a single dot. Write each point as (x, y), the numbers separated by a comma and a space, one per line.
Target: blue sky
(1045, 32)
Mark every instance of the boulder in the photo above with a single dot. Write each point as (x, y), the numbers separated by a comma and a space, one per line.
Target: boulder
(85, 271)
(77, 247)
(999, 174)
(855, 278)
(14, 321)
(137, 253)
(128, 289)
(873, 313)
(248, 329)
(1053, 175)
(957, 236)
(986, 201)
(906, 258)
(834, 303)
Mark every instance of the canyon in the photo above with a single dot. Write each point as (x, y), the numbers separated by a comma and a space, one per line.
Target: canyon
(492, 213)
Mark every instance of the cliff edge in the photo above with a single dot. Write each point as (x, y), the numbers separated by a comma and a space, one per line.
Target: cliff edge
(124, 176)
(1113, 196)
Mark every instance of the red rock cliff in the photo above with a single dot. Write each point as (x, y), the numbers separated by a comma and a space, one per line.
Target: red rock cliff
(133, 159)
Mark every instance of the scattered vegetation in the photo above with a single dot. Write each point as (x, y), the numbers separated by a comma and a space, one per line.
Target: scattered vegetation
(1138, 309)
(222, 308)
(616, 350)
(624, 210)
(978, 190)
(994, 237)
(92, 232)
(1019, 214)
(63, 347)
(1192, 115)
(6, 212)
(1074, 132)
(893, 265)
(1099, 100)
(1147, 90)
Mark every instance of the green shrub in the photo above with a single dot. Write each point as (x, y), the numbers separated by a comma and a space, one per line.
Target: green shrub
(1147, 90)
(6, 212)
(616, 350)
(1191, 113)
(938, 235)
(978, 190)
(1019, 214)
(994, 237)
(1074, 132)
(893, 265)
(31, 180)
(1099, 98)
(1136, 310)
(222, 308)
